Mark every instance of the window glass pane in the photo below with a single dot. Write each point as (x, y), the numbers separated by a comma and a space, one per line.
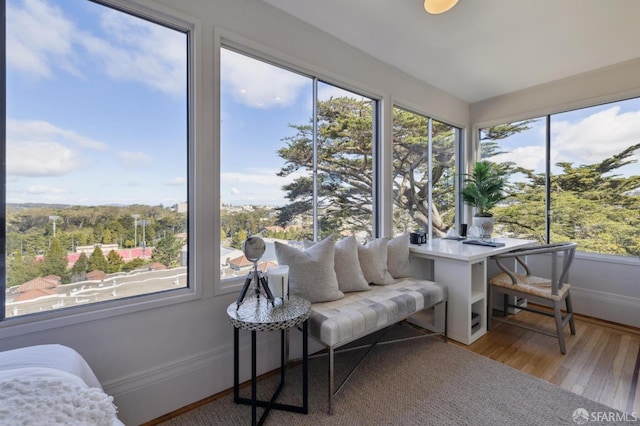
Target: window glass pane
(266, 134)
(268, 159)
(595, 178)
(443, 209)
(345, 163)
(97, 150)
(410, 171)
(411, 174)
(519, 149)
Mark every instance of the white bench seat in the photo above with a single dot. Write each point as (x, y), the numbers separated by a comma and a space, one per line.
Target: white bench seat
(359, 314)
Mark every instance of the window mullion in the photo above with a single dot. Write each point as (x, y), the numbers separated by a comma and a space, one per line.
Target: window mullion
(316, 225)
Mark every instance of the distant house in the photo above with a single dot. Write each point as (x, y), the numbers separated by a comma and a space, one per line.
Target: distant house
(38, 287)
(96, 275)
(48, 282)
(157, 266)
(34, 294)
(240, 263)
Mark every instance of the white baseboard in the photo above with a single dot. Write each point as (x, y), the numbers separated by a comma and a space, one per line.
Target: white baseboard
(193, 378)
(137, 395)
(606, 306)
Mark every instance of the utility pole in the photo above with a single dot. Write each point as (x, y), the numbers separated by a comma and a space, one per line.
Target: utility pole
(135, 229)
(54, 218)
(144, 224)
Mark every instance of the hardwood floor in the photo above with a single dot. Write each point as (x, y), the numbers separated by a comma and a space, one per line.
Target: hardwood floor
(601, 363)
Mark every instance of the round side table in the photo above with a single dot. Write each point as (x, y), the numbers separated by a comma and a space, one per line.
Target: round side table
(257, 314)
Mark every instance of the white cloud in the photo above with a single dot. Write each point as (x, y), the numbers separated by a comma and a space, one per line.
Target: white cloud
(29, 158)
(257, 84)
(257, 186)
(257, 176)
(38, 130)
(134, 159)
(529, 157)
(596, 137)
(140, 51)
(179, 181)
(41, 189)
(39, 38)
(38, 148)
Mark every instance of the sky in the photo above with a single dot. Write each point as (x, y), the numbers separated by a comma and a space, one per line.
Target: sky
(96, 114)
(585, 136)
(259, 102)
(96, 106)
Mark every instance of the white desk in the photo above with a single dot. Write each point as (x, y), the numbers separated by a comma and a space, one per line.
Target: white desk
(463, 268)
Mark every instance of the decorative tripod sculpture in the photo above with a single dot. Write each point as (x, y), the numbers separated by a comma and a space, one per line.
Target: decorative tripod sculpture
(253, 248)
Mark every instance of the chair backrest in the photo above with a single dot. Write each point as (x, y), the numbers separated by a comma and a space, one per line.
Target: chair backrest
(567, 250)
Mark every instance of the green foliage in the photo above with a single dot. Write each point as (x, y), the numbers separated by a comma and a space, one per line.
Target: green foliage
(167, 251)
(345, 170)
(590, 205)
(411, 172)
(132, 264)
(344, 161)
(29, 227)
(484, 186)
(29, 233)
(238, 238)
(55, 261)
(21, 268)
(114, 262)
(97, 261)
(81, 265)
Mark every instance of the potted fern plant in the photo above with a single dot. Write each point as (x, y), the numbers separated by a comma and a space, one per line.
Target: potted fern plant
(483, 190)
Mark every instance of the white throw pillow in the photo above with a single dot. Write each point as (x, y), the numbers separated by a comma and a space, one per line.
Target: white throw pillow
(373, 262)
(311, 272)
(347, 266)
(398, 257)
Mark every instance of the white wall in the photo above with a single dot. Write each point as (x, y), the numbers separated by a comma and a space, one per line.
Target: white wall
(157, 356)
(166, 356)
(604, 287)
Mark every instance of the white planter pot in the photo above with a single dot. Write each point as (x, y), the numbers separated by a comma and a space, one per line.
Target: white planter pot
(486, 223)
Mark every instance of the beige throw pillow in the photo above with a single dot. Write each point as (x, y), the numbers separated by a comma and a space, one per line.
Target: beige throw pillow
(311, 272)
(373, 262)
(347, 266)
(398, 257)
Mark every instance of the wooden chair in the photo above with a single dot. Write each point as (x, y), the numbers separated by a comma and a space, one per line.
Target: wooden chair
(549, 290)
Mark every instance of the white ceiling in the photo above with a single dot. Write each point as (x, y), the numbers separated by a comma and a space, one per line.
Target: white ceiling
(482, 48)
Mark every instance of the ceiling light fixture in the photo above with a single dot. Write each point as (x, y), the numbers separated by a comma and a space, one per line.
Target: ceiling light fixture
(436, 7)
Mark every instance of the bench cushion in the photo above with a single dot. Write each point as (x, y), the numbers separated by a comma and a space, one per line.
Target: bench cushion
(360, 313)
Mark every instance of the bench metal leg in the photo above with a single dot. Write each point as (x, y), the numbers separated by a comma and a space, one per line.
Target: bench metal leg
(446, 321)
(331, 380)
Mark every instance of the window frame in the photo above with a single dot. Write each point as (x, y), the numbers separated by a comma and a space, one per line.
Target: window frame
(224, 39)
(459, 164)
(20, 325)
(547, 116)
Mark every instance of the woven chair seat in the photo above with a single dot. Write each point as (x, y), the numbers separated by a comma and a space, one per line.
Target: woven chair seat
(530, 284)
(538, 290)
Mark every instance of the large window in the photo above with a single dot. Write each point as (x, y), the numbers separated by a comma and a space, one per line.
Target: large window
(575, 176)
(424, 174)
(96, 156)
(296, 159)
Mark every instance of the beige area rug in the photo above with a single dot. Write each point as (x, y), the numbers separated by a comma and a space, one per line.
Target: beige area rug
(416, 382)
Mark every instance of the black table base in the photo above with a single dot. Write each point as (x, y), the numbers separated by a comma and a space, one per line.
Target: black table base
(271, 404)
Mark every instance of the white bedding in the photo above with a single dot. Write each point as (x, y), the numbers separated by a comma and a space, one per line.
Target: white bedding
(49, 385)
